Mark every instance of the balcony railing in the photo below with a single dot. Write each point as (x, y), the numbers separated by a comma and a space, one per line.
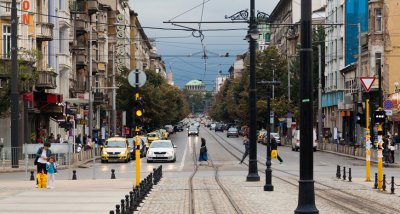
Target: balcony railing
(77, 6)
(64, 60)
(93, 6)
(46, 80)
(44, 31)
(78, 86)
(81, 26)
(81, 59)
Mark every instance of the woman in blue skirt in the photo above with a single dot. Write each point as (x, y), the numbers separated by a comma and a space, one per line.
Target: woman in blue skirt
(203, 151)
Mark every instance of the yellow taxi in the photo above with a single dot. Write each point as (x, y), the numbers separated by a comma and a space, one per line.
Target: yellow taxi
(164, 134)
(116, 149)
(153, 136)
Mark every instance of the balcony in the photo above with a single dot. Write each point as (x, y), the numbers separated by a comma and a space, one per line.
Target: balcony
(46, 80)
(5, 9)
(78, 86)
(81, 59)
(77, 6)
(81, 26)
(93, 6)
(44, 31)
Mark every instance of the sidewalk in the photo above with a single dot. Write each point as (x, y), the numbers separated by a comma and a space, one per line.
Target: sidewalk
(79, 196)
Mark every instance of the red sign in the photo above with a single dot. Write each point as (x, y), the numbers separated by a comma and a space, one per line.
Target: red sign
(28, 96)
(367, 82)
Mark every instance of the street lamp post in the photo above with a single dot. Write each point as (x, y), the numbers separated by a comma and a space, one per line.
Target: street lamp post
(306, 197)
(252, 37)
(268, 171)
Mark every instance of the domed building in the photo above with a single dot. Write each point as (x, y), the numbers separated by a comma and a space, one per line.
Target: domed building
(195, 86)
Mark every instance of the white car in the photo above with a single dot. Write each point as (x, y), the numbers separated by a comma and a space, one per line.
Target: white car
(296, 141)
(161, 150)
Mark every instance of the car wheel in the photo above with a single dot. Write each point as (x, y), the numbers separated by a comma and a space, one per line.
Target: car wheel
(315, 149)
(103, 161)
(297, 149)
(292, 149)
(174, 160)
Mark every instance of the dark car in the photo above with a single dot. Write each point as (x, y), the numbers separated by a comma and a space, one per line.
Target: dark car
(219, 128)
(232, 132)
(143, 148)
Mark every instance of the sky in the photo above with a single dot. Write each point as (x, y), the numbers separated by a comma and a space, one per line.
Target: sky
(181, 51)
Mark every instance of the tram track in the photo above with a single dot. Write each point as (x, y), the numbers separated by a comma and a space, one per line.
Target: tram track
(340, 198)
(192, 199)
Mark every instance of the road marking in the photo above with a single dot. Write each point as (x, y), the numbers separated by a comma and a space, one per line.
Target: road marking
(184, 157)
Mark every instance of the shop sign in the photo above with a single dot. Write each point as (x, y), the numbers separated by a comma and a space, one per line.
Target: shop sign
(53, 109)
(25, 6)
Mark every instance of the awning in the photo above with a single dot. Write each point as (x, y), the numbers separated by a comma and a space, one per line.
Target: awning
(77, 101)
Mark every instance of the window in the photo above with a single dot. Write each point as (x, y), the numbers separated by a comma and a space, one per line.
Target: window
(378, 61)
(1, 83)
(6, 41)
(378, 20)
(8, 7)
(61, 4)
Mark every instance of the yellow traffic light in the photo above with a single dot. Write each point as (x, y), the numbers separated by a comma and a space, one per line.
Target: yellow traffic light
(139, 113)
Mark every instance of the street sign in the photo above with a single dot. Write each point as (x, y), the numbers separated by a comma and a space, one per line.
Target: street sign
(367, 82)
(387, 104)
(140, 81)
(388, 112)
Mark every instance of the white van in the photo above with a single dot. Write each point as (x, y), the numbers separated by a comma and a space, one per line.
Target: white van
(296, 140)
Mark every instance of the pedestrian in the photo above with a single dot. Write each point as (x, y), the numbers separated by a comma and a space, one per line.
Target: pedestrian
(41, 160)
(246, 144)
(392, 149)
(58, 140)
(203, 151)
(274, 145)
(51, 168)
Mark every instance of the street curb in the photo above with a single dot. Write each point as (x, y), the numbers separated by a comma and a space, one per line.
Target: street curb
(75, 165)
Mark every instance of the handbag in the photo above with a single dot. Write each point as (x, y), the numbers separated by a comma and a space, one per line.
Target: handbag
(36, 161)
(274, 153)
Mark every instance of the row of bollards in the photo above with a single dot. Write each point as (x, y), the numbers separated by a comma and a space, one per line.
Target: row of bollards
(32, 177)
(392, 183)
(339, 176)
(132, 201)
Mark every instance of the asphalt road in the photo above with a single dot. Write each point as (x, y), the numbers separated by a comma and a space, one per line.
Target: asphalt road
(324, 163)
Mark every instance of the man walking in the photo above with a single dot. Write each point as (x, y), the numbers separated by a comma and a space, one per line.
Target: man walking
(274, 145)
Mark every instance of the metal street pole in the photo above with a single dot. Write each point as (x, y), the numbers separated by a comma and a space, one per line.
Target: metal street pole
(268, 171)
(14, 86)
(319, 96)
(306, 198)
(253, 171)
(114, 112)
(90, 123)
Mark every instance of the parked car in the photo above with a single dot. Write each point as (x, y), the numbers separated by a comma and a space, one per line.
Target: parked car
(153, 136)
(116, 149)
(296, 141)
(232, 132)
(219, 128)
(142, 146)
(193, 130)
(277, 138)
(161, 150)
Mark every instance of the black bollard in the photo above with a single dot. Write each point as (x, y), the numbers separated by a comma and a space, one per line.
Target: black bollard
(111, 211)
(137, 196)
(141, 192)
(118, 211)
(349, 174)
(338, 172)
(112, 174)
(154, 173)
(122, 206)
(74, 175)
(376, 181)
(344, 173)
(132, 204)
(392, 186)
(127, 204)
(32, 177)
(384, 183)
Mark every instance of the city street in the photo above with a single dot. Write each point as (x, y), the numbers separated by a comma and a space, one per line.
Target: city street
(16, 191)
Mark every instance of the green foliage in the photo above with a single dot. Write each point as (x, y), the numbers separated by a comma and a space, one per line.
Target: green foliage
(163, 104)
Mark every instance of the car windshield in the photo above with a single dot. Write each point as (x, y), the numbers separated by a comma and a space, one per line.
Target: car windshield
(232, 130)
(275, 134)
(116, 144)
(193, 129)
(152, 135)
(161, 144)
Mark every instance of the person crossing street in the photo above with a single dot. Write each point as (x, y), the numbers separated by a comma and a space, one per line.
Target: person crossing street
(246, 144)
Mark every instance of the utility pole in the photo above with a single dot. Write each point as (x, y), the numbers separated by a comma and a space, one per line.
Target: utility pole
(288, 74)
(253, 171)
(90, 83)
(14, 86)
(319, 96)
(306, 197)
(359, 94)
(114, 112)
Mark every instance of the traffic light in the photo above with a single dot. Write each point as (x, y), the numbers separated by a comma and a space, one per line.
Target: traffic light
(379, 116)
(361, 119)
(138, 111)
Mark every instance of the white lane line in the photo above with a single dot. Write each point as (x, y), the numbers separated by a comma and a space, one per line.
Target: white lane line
(184, 157)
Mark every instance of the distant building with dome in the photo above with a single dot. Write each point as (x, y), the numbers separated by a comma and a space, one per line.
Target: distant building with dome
(195, 86)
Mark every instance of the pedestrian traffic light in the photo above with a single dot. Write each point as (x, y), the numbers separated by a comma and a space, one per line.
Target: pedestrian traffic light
(380, 116)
